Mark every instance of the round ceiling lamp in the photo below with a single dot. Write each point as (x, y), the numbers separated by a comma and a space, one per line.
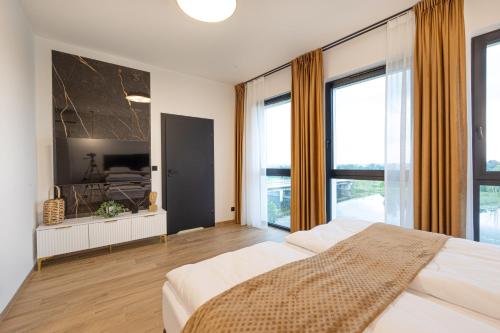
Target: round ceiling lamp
(208, 10)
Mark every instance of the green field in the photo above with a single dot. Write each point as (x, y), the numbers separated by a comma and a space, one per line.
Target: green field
(489, 198)
(364, 188)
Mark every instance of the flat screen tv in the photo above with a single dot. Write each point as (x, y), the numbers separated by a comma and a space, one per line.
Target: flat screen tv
(90, 161)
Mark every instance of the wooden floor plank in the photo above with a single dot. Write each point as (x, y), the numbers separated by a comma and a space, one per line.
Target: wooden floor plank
(118, 292)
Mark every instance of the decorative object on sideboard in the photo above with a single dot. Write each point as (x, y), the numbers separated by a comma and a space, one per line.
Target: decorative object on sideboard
(110, 209)
(153, 207)
(53, 209)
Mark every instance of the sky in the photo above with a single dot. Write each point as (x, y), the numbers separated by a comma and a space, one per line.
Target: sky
(359, 123)
(278, 124)
(493, 103)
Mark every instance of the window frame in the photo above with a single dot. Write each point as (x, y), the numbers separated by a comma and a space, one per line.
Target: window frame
(279, 172)
(331, 173)
(478, 88)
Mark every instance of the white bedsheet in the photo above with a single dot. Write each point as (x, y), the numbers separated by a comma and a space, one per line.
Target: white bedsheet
(193, 285)
(324, 236)
(464, 273)
(175, 316)
(197, 283)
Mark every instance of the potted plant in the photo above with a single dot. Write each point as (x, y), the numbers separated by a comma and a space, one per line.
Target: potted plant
(110, 209)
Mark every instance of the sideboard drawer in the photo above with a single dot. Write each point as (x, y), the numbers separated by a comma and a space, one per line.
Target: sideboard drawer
(109, 232)
(61, 240)
(149, 226)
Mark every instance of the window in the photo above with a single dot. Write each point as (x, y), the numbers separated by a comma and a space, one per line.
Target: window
(355, 129)
(486, 136)
(278, 151)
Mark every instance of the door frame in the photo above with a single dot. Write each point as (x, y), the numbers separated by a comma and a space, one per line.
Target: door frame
(163, 122)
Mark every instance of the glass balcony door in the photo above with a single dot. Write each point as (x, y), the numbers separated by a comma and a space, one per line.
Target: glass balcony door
(355, 146)
(278, 150)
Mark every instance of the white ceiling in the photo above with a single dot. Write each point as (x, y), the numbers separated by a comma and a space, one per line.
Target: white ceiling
(261, 35)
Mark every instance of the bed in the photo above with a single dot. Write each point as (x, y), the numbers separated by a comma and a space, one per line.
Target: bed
(459, 291)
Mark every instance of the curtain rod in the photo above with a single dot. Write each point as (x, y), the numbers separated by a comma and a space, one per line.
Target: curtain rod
(340, 41)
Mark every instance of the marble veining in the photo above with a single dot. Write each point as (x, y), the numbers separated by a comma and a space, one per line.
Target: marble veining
(89, 101)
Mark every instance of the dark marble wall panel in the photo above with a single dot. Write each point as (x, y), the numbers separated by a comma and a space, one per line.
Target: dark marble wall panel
(89, 101)
(84, 199)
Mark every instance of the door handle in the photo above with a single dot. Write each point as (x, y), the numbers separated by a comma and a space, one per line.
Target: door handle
(480, 132)
(171, 173)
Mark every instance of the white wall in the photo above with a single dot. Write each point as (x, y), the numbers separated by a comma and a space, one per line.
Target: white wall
(17, 149)
(368, 50)
(171, 92)
(364, 52)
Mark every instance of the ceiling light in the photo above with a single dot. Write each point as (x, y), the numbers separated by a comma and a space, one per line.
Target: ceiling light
(138, 98)
(208, 10)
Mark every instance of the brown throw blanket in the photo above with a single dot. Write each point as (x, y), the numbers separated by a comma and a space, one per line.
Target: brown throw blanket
(340, 290)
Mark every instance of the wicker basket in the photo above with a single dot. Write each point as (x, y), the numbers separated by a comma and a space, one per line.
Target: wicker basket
(53, 209)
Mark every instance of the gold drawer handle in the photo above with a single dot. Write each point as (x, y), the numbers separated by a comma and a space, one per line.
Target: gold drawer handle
(65, 227)
(150, 215)
(111, 221)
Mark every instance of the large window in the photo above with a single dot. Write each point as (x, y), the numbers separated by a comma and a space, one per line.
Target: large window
(486, 136)
(278, 150)
(355, 129)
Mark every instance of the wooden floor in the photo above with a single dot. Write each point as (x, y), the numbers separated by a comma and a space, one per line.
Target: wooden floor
(121, 291)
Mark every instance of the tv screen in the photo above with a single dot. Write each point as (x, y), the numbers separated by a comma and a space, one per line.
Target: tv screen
(87, 161)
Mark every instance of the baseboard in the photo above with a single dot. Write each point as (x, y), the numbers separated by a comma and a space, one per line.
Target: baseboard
(5, 311)
(189, 230)
(222, 223)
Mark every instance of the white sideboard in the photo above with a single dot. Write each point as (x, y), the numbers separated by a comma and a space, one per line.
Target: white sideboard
(93, 232)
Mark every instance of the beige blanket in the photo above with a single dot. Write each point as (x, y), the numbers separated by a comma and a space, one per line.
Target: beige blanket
(340, 290)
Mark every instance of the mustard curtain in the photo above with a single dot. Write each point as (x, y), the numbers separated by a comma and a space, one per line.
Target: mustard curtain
(239, 126)
(440, 119)
(308, 139)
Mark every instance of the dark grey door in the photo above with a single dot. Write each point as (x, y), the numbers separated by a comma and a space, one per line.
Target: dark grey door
(188, 172)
